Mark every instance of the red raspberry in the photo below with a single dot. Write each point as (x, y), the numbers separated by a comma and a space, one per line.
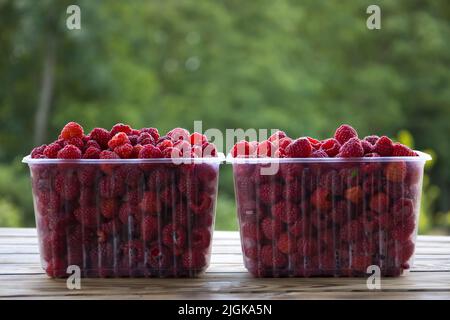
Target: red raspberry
(285, 212)
(118, 140)
(128, 210)
(159, 257)
(321, 199)
(109, 207)
(77, 142)
(107, 229)
(111, 187)
(367, 146)
(201, 238)
(133, 139)
(87, 216)
(345, 133)
(316, 144)
(352, 231)
(150, 151)
(196, 152)
(145, 138)
(120, 127)
(209, 150)
(403, 209)
(277, 136)
(272, 257)
(38, 151)
(360, 263)
(177, 134)
(286, 243)
(164, 144)
(331, 147)
(72, 129)
(133, 252)
(67, 186)
(198, 139)
(203, 205)
(405, 250)
(69, 152)
(153, 132)
(319, 154)
(108, 155)
(92, 153)
(174, 237)
(250, 232)
(51, 151)
(403, 230)
(384, 147)
(242, 149)
(270, 193)
(265, 149)
(300, 148)
(56, 268)
(150, 202)
(371, 139)
(379, 203)
(354, 194)
(283, 143)
(352, 149)
(300, 227)
(91, 143)
(101, 136)
(87, 197)
(331, 181)
(395, 171)
(149, 228)
(400, 150)
(136, 149)
(194, 260)
(54, 246)
(271, 228)
(124, 151)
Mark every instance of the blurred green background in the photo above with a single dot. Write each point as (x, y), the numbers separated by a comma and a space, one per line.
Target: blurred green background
(302, 66)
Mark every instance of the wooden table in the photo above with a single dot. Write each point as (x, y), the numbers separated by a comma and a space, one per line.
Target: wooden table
(21, 277)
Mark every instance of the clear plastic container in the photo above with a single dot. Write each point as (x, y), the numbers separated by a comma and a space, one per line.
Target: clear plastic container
(125, 218)
(328, 216)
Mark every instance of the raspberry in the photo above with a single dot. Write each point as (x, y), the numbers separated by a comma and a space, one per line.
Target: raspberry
(345, 133)
(150, 151)
(145, 138)
(265, 149)
(196, 152)
(242, 149)
(198, 139)
(277, 136)
(331, 181)
(92, 153)
(54, 246)
(86, 216)
(152, 131)
(184, 147)
(194, 260)
(316, 144)
(101, 136)
(371, 139)
(69, 152)
(403, 209)
(320, 199)
(171, 153)
(120, 127)
(118, 140)
(331, 147)
(174, 237)
(400, 150)
(77, 142)
(271, 228)
(319, 154)
(367, 146)
(107, 229)
(91, 143)
(405, 250)
(133, 252)
(164, 144)
(51, 151)
(150, 202)
(403, 230)
(379, 203)
(87, 197)
(108, 208)
(272, 257)
(201, 238)
(203, 205)
(56, 268)
(284, 142)
(149, 228)
(300, 148)
(287, 244)
(300, 227)
(384, 147)
(158, 257)
(285, 212)
(124, 151)
(38, 151)
(126, 211)
(110, 187)
(270, 193)
(131, 175)
(67, 186)
(395, 171)
(360, 263)
(250, 231)
(136, 149)
(354, 194)
(177, 134)
(72, 129)
(352, 231)
(351, 149)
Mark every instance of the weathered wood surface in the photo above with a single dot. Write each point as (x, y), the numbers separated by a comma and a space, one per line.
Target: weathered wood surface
(21, 277)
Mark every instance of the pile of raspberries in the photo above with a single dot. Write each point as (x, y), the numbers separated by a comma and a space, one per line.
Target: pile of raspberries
(122, 219)
(345, 144)
(327, 218)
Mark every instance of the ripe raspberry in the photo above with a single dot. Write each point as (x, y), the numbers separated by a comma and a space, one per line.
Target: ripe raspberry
(300, 148)
(384, 147)
(198, 139)
(118, 140)
(331, 181)
(164, 144)
(345, 133)
(321, 199)
(331, 147)
(150, 151)
(86, 216)
(395, 171)
(149, 226)
(400, 150)
(270, 193)
(403, 230)
(319, 154)
(200, 238)
(109, 207)
(120, 127)
(283, 143)
(174, 237)
(371, 139)
(285, 212)
(351, 149)
(56, 268)
(108, 155)
(77, 142)
(92, 153)
(354, 194)
(203, 205)
(242, 149)
(403, 209)
(107, 229)
(101, 136)
(196, 152)
(352, 231)
(177, 134)
(379, 203)
(38, 151)
(194, 260)
(124, 151)
(272, 257)
(133, 252)
(128, 210)
(150, 202)
(286, 243)
(265, 149)
(145, 138)
(70, 130)
(67, 186)
(316, 144)
(271, 228)
(159, 257)
(300, 227)
(277, 136)
(250, 232)
(405, 250)
(91, 143)
(69, 152)
(153, 132)
(51, 151)
(360, 263)
(111, 187)
(184, 147)
(136, 149)
(367, 146)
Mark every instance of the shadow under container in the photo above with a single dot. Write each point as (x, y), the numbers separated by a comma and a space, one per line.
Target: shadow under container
(125, 217)
(329, 216)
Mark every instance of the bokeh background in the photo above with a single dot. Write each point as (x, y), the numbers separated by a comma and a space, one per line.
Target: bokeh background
(302, 66)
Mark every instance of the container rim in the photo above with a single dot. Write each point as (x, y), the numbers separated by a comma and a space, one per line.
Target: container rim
(214, 160)
(422, 157)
